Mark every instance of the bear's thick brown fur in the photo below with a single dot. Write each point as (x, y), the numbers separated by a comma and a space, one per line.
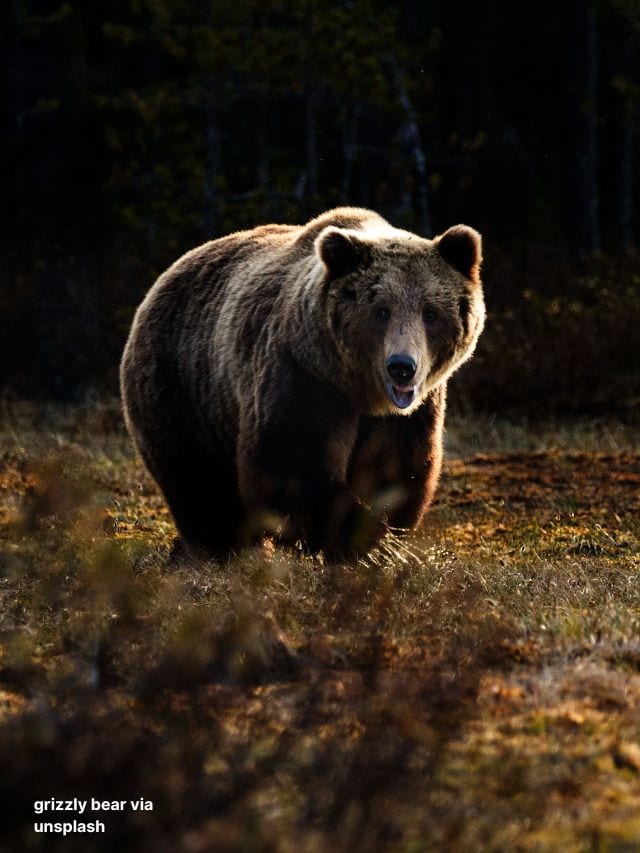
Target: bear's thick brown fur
(291, 380)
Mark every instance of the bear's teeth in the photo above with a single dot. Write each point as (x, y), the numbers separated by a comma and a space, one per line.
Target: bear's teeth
(402, 397)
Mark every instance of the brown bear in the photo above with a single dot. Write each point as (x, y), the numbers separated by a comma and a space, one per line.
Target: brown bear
(291, 380)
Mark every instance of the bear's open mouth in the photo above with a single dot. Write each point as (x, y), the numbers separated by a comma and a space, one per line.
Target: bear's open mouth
(402, 396)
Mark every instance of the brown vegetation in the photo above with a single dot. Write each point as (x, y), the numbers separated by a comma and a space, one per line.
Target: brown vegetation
(473, 686)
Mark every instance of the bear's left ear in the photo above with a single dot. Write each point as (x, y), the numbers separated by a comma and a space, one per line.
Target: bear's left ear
(340, 252)
(461, 247)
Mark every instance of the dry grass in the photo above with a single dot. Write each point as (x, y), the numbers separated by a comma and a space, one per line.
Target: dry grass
(473, 686)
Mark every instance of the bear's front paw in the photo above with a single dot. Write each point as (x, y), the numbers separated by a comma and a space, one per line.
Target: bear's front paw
(357, 531)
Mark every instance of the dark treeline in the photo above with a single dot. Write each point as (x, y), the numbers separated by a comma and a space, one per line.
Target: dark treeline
(132, 131)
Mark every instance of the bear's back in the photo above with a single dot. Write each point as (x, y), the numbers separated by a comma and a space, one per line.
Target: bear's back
(357, 218)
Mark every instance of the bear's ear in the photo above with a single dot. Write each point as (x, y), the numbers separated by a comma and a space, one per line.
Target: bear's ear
(461, 247)
(340, 252)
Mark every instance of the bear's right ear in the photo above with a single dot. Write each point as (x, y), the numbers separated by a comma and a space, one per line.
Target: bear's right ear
(461, 247)
(340, 252)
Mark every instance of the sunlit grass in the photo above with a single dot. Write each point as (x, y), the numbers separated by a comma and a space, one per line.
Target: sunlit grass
(472, 685)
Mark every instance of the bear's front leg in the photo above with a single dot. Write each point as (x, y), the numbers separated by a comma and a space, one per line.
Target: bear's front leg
(396, 461)
(293, 449)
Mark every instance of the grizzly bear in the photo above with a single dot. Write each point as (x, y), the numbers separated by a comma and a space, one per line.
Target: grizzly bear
(290, 381)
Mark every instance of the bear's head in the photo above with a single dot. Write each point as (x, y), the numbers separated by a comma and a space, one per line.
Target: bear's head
(404, 311)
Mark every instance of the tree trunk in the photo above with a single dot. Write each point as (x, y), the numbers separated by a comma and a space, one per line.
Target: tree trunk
(414, 138)
(311, 103)
(349, 147)
(624, 180)
(624, 103)
(212, 157)
(263, 165)
(583, 115)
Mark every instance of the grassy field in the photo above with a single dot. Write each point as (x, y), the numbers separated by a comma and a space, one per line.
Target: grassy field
(475, 686)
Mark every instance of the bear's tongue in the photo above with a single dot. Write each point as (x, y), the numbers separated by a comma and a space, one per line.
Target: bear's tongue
(402, 397)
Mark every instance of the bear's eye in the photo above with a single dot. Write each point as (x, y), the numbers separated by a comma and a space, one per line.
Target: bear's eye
(382, 314)
(429, 316)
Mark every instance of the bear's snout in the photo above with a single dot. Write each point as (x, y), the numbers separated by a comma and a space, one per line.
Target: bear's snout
(401, 368)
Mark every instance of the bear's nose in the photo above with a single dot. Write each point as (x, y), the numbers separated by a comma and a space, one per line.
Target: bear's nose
(401, 368)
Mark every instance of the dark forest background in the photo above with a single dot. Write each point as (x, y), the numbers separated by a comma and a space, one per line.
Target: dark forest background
(132, 131)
